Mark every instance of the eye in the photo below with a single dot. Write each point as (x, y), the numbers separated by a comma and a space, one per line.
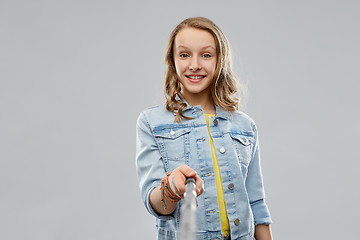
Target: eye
(206, 55)
(184, 55)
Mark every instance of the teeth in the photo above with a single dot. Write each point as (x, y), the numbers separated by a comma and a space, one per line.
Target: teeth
(195, 77)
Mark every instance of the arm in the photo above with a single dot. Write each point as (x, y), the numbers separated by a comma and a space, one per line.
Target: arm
(150, 171)
(263, 232)
(149, 166)
(255, 187)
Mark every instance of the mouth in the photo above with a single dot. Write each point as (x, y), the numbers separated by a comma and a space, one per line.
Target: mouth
(195, 78)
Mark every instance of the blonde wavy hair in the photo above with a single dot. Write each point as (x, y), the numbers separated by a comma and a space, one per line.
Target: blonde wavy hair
(225, 84)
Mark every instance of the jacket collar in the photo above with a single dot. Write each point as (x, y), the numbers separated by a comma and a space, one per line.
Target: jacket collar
(220, 113)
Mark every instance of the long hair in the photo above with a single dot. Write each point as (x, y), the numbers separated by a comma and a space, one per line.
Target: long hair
(224, 85)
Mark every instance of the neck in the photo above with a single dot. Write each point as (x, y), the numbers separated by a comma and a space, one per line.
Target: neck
(205, 101)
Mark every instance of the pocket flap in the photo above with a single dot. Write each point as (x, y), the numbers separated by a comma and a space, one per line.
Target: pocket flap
(243, 139)
(171, 133)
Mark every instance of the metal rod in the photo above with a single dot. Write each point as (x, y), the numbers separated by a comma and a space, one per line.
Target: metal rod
(188, 211)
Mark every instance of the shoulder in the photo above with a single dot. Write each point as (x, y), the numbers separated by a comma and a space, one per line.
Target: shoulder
(155, 110)
(241, 120)
(156, 115)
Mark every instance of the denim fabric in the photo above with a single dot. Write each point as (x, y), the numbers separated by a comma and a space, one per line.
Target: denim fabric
(162, 145)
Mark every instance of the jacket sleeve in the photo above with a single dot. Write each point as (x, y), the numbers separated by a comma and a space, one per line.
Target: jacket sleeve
(255, 187)
(149, 166)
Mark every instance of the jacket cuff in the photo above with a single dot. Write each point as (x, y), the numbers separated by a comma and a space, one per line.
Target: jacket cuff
(152, 211)
(261, 212)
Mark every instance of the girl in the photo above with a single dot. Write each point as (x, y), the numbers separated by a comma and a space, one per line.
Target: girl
(200, 133)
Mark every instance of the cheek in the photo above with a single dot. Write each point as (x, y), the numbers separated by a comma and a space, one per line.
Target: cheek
(179, 68)
(211, 67)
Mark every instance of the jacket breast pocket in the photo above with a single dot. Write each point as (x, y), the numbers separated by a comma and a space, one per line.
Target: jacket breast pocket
(174, 145)
(243, 145)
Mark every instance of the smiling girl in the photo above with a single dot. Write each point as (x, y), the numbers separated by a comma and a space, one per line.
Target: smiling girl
(200, 133)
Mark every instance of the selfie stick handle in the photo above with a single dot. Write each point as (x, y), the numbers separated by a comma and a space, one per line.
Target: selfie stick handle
(188, 211)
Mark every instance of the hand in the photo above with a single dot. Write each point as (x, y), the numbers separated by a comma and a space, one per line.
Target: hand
(177, 180)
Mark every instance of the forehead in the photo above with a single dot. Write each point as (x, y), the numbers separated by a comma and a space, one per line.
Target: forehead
(194, 38)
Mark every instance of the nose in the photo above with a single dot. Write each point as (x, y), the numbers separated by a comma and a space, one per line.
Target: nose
(195, 64)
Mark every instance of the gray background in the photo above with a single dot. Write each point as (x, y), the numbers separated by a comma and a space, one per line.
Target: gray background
(76, 74)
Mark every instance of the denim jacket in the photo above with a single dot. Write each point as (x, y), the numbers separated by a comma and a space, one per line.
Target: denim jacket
(162, 145)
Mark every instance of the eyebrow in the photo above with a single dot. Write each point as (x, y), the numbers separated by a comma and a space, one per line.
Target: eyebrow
(208, 46)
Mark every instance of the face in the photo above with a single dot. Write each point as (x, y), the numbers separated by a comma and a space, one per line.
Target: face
(195, 61)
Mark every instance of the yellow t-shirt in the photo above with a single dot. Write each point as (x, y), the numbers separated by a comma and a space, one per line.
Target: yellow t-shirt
(225, 226)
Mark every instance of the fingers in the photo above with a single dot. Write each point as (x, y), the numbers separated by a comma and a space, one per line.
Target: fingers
(199, 185)
(177, 180)
(187, 171)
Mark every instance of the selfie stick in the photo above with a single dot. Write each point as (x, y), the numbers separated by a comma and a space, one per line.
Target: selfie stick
(188, 211)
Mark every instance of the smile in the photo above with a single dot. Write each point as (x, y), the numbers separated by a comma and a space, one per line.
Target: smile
(195, 78)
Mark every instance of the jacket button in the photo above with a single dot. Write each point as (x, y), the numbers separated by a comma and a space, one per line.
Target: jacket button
(237, 221)
(222, 150)
(216, 122)
(244, 139)
(231, 186)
